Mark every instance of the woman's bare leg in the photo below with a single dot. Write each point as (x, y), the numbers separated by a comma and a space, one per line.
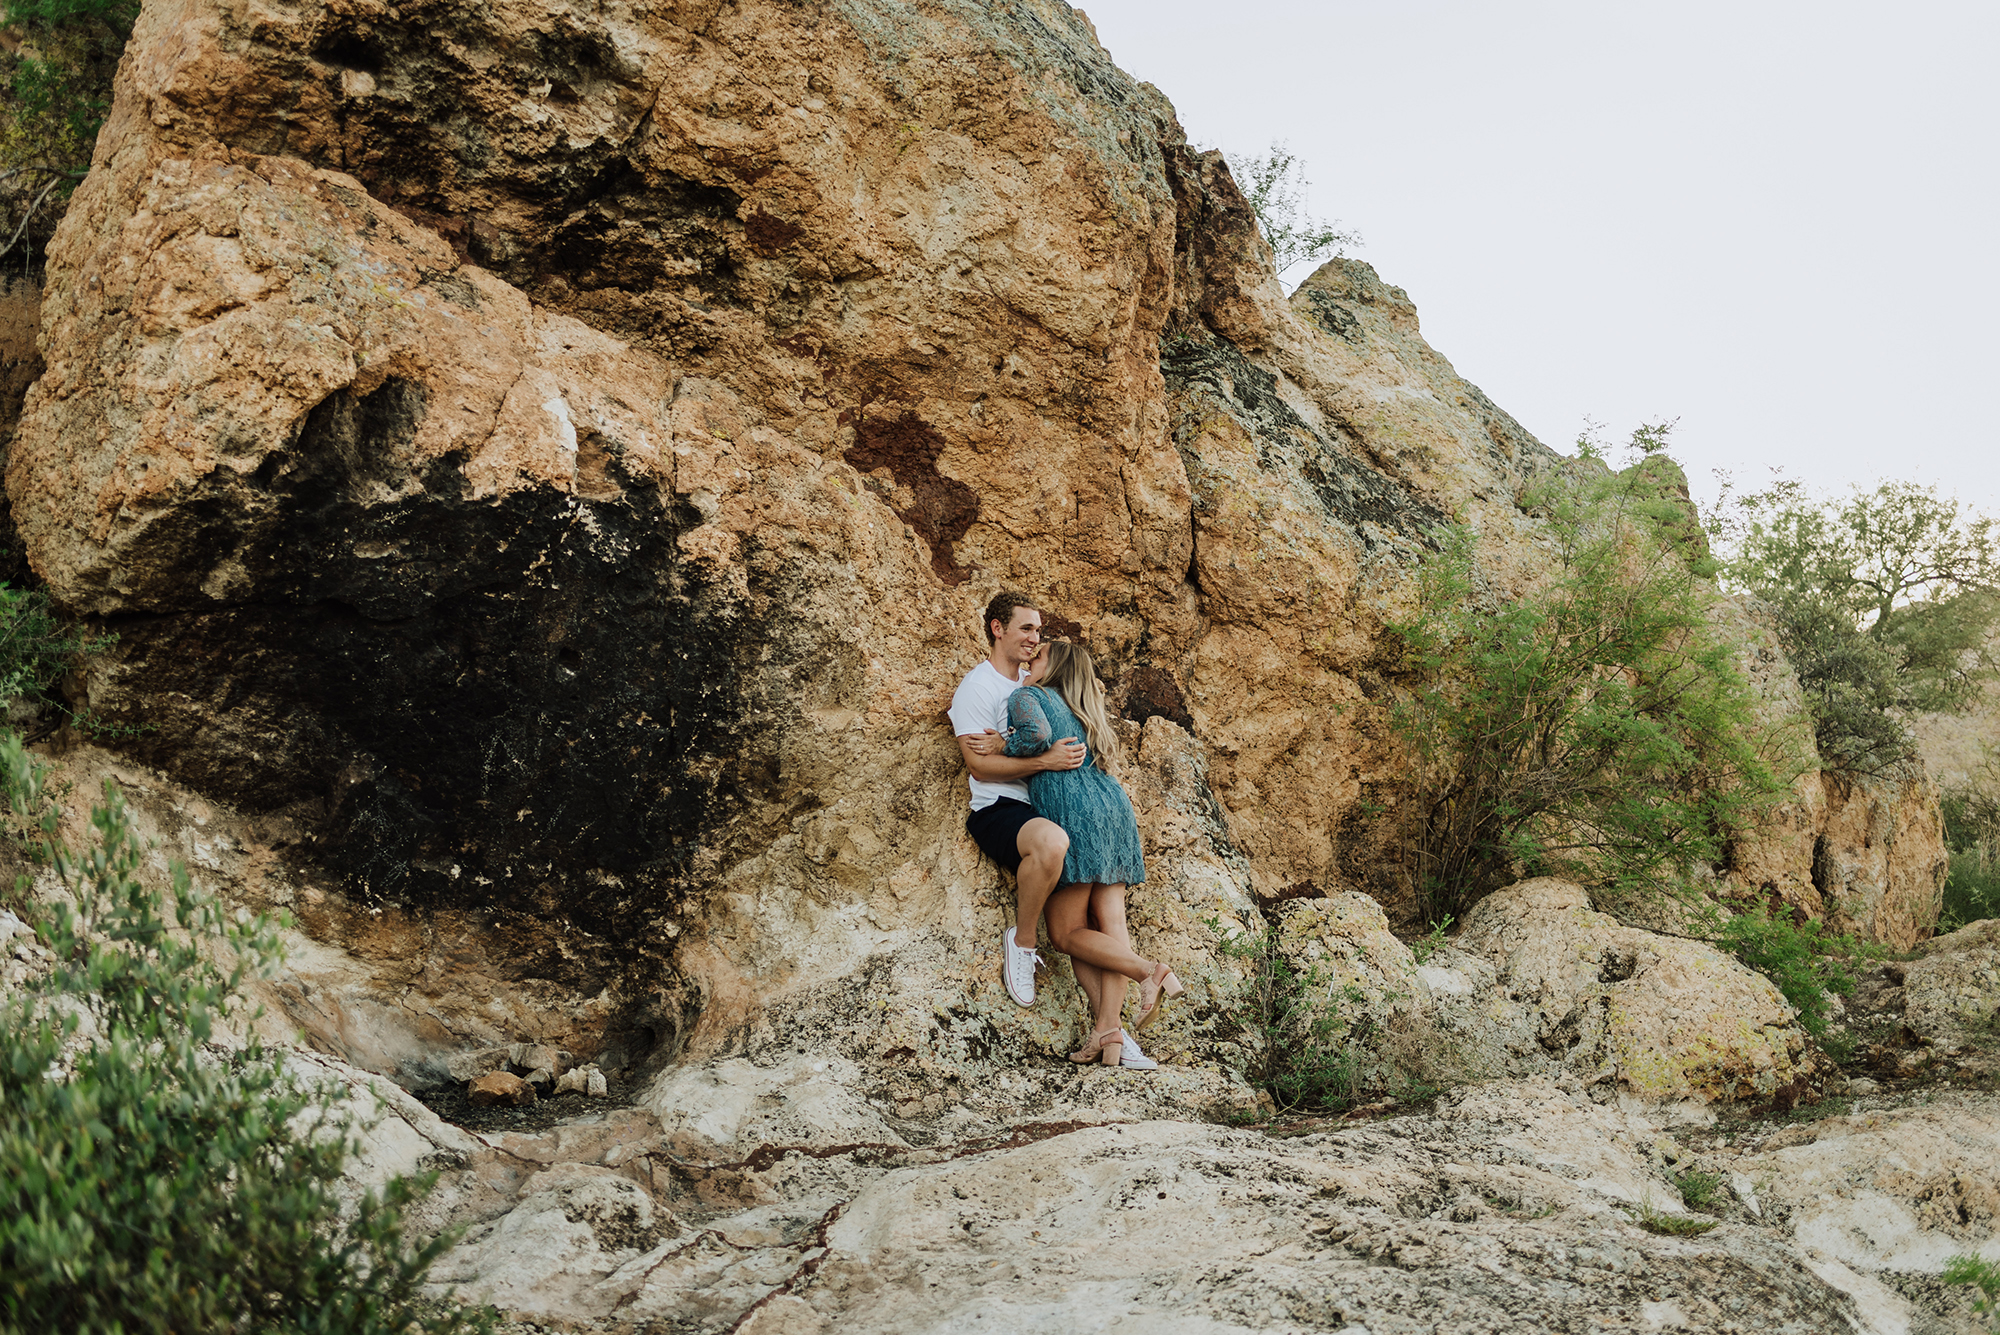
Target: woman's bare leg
(1100, 989)
(1068, 917)
(1107, 915)
(1104, 992)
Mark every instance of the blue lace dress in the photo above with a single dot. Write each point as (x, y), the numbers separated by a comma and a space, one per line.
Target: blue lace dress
(1089, 804)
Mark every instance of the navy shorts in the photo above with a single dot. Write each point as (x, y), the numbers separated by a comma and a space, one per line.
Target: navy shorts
(997, 830)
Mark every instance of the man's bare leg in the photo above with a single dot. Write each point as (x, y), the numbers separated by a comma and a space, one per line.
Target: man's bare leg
(1043, 846)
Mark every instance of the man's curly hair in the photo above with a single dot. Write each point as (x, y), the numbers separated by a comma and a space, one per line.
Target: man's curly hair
(1005, 603)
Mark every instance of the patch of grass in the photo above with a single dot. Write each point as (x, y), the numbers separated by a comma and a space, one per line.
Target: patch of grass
(1669, 1225)
(1981, 1274)
(1698, 1189)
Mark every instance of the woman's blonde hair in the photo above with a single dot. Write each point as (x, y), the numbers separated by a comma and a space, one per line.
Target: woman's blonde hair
(1072, 676)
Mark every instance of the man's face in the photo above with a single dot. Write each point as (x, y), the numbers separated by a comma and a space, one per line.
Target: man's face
(1020, 638)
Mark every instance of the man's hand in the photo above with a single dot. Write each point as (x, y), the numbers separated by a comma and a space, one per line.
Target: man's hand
(1067, 753)
(988, 743)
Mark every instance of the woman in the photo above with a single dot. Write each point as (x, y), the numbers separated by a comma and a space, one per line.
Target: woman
(1063, 698)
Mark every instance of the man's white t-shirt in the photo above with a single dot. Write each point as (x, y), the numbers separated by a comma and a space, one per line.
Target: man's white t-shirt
(981, 703)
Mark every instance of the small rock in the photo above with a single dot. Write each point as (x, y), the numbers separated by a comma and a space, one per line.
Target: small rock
(464, 1066)
(598, 1088)
(1862, 1085)
(538, 1057)
(500, 1088)
(575, 1081)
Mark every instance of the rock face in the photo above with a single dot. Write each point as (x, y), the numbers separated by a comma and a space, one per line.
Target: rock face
(543, 467)
(1864, 853)
(498, 461)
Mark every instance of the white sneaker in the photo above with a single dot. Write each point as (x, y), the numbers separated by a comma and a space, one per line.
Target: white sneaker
(1133, 1059)
(1018, 972)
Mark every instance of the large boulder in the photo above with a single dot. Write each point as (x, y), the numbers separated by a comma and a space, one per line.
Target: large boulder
(1951, 995)
(544, 466)
(1880, 860)
(1663, 1017)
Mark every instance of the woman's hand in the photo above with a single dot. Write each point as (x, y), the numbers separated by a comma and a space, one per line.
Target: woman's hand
(988, 743)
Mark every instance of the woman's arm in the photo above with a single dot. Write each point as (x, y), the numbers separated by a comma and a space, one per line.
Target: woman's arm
(1029, 730)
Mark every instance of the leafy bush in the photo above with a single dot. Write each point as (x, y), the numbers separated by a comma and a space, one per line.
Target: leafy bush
(1595, 728)
(1275, 186)
(1804, 960)
(36, 647)
(1306, 1056)
(150, 1182)
(58, 86)
(1971, 890)
(1883, 600)
(1972, 833)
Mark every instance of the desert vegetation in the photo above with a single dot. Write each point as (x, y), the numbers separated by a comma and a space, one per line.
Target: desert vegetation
(56, 69)
(1595, 727)
(155, 1174)
(1882, 598)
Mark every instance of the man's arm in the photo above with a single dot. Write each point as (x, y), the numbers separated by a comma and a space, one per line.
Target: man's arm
(1066, 753)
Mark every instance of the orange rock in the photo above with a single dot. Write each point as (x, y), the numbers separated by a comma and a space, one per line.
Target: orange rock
(499, 1088)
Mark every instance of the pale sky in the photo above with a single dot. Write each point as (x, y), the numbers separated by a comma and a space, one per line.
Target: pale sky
(1774, 221)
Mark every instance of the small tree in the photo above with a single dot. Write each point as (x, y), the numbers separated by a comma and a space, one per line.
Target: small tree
(1596, 728)
(151, 1182)
(1275, 185)
(1883, 600)
(58, 86)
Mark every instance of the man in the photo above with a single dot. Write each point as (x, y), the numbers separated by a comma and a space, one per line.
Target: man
(1002, 821)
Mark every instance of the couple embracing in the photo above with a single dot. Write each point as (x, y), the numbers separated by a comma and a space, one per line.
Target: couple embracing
(1032, 727)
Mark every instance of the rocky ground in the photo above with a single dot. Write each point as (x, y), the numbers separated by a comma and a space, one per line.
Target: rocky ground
(1067, 1201)
(1515, 1206)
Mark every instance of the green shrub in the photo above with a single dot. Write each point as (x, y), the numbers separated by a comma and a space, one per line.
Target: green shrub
(1805, 961)
(1274, 185)
(1971, 889)
(1595, 728)
(1431, 942)
(1305, 1055)
(149, 1180)
(1883, 601)
(36, 646)
(58, 92)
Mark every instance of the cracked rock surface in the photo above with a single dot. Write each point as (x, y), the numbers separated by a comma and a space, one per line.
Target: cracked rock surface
(1511, 1207)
